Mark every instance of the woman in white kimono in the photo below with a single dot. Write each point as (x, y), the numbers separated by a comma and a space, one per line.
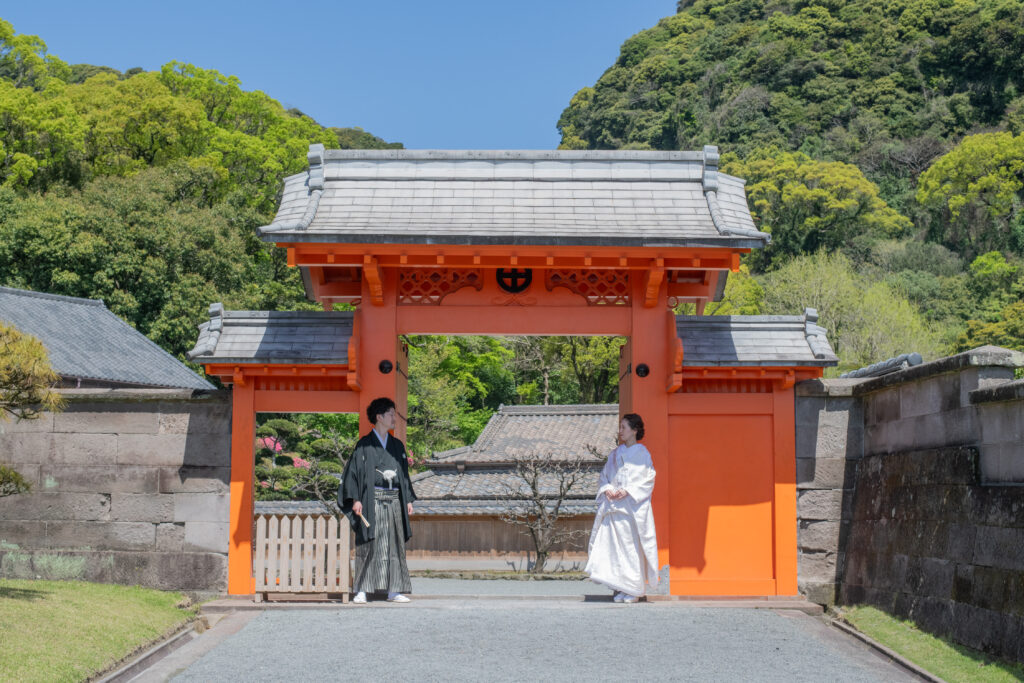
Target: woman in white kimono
(623, 552)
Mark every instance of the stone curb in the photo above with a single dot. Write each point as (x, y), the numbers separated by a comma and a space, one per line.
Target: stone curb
(151, 656)
(235, 605)
(891, 654)
(806, 606)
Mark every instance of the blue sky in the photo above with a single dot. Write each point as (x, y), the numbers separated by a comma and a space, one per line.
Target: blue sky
(453, 74)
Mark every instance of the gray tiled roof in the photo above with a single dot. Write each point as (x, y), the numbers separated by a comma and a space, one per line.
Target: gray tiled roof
(760, 340)
(273, 337)
(87, 341)
(425, 507)
(495, 506)
(514, 431)
(497, 482)
(473, 480)
(620, 198)
(289, 507)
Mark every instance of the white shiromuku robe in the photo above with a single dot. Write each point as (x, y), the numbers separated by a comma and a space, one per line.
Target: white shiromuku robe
(623, 551)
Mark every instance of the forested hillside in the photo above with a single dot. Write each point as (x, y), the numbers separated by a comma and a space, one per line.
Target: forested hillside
(144, 189)
(883, 145)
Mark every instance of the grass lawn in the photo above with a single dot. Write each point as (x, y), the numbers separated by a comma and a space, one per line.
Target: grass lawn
(941, 657)
(70, 630)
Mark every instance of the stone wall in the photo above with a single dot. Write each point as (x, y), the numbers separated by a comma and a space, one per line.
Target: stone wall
(829, 441)
(128, 486)
(928, 542)
(911, 495)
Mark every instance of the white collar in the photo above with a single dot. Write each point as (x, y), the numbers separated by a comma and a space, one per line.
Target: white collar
(383, 440)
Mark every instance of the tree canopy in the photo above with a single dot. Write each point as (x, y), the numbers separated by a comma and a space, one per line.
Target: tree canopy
(883, 86)
(145, 188)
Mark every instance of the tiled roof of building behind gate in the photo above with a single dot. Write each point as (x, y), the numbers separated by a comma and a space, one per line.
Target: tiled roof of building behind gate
(562, 431)
(85, 340)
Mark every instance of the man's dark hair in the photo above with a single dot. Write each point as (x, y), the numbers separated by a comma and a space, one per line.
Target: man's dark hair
(378, 407)
(636, 423)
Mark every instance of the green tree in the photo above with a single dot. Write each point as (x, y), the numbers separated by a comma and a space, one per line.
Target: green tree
(536, 362)
(866, 321)
(24, 61)
(26, 390)
(435, 398)
(357, 138)
(301, 456)
(975, 194)
(591, 364)
(809, 205)
(1007, 331)
(26, 377)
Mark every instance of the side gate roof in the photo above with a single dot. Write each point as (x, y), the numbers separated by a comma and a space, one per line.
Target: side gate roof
(320, 337)
(754, 340)
(297, 337)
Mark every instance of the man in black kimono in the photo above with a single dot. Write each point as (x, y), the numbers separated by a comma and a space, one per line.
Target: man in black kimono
(375, 487)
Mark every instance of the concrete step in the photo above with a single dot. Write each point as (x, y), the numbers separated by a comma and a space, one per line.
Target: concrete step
(245, 603)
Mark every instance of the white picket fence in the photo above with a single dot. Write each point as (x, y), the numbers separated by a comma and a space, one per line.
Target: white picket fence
(301, 553)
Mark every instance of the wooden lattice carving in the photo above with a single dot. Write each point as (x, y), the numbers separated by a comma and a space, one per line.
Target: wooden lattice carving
(598, 287)
(428, 286)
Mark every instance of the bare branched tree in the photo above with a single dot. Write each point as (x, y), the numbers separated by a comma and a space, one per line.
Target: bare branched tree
(321, 484)
(536, 495)
(321, 477)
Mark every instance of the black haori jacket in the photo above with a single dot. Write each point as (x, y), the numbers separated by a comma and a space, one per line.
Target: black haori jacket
(357, 484)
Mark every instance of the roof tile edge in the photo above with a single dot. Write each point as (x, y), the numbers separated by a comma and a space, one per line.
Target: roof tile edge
(709, 181)
(817, 337)
(209, 333)
(315, 187)
(53, 297)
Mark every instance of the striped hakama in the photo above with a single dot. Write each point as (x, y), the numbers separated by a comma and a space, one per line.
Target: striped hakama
(380, 563)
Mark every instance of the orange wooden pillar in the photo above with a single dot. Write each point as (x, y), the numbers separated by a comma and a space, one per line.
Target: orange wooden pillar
(378, 342)
(647, 395)
(243, 439)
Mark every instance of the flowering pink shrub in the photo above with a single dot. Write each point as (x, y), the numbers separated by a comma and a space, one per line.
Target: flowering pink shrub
(265, 484)
(270, 443)
(299, 462)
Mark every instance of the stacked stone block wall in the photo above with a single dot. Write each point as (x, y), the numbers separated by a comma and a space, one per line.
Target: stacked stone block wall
(925, 518)
(930, 543)
(128, 486)
(1001, 432)
(829, 441)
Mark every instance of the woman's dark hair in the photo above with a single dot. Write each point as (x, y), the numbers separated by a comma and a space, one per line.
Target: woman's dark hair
(636, 423)
(378, 407)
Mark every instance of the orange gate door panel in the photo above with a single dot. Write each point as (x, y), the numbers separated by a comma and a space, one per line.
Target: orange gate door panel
(722, 486)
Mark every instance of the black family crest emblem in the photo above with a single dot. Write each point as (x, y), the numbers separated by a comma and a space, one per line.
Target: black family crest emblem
(514, 280)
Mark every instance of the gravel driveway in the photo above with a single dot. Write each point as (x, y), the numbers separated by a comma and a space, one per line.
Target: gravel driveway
(505, 639)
